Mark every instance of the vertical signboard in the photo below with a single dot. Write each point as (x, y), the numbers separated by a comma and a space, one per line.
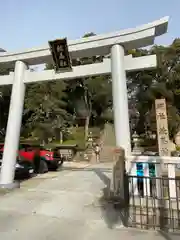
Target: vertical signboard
(162, 127)
(163, 144)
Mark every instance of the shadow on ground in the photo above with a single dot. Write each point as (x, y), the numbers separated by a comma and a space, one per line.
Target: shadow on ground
(169, 236)
(114, 210)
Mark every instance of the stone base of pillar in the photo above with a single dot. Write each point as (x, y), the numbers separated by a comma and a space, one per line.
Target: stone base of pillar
(117, 181)
(10, 186)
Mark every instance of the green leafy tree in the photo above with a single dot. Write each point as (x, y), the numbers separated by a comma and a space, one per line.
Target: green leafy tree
(46, 103)
(162, 82)
(5, 94)
(91, 97)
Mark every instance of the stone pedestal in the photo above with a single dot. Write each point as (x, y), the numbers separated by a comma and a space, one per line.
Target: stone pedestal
(117, 182)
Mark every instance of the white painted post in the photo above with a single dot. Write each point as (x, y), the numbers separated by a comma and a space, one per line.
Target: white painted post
(13, 127)
(134, 186)
(158, 172)
(120, 99)
(172, 182)
(146, 181)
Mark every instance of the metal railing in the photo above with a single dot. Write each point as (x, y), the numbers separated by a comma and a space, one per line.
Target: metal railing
(154, 166)
(150, 205)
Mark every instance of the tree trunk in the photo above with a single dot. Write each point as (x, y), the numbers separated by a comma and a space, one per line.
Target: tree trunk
(61, 137)
(86, 129)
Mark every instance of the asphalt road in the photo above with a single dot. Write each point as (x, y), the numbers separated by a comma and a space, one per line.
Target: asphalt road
(68, 204)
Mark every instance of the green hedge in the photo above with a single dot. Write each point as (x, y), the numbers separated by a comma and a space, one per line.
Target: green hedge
(76, 137)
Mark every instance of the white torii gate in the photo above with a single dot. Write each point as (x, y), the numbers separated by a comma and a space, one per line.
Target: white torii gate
(114, 43)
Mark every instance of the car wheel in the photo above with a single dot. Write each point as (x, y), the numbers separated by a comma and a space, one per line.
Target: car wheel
(54, 168)
(61, 161)
(43, 168)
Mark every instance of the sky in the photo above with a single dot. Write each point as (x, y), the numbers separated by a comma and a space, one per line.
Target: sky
(32, 23)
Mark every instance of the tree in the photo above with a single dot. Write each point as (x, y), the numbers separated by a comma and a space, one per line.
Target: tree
(5, 94)
(146, 86)
(46, 103)
(89, 98)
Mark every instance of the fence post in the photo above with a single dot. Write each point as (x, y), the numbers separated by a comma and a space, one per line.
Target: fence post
(134, 187)
(158, 171)
(172, 181)
(146, 181)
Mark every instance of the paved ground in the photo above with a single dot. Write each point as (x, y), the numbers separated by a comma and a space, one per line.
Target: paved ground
(64, 205)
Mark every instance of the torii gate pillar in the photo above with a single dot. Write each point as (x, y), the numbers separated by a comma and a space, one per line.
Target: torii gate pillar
(13, 127)
(120, 99)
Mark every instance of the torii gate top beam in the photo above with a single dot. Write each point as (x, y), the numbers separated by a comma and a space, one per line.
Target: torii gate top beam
(97, 45)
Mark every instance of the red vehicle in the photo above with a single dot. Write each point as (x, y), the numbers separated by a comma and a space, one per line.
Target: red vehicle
(27, 153)
(48, 161)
